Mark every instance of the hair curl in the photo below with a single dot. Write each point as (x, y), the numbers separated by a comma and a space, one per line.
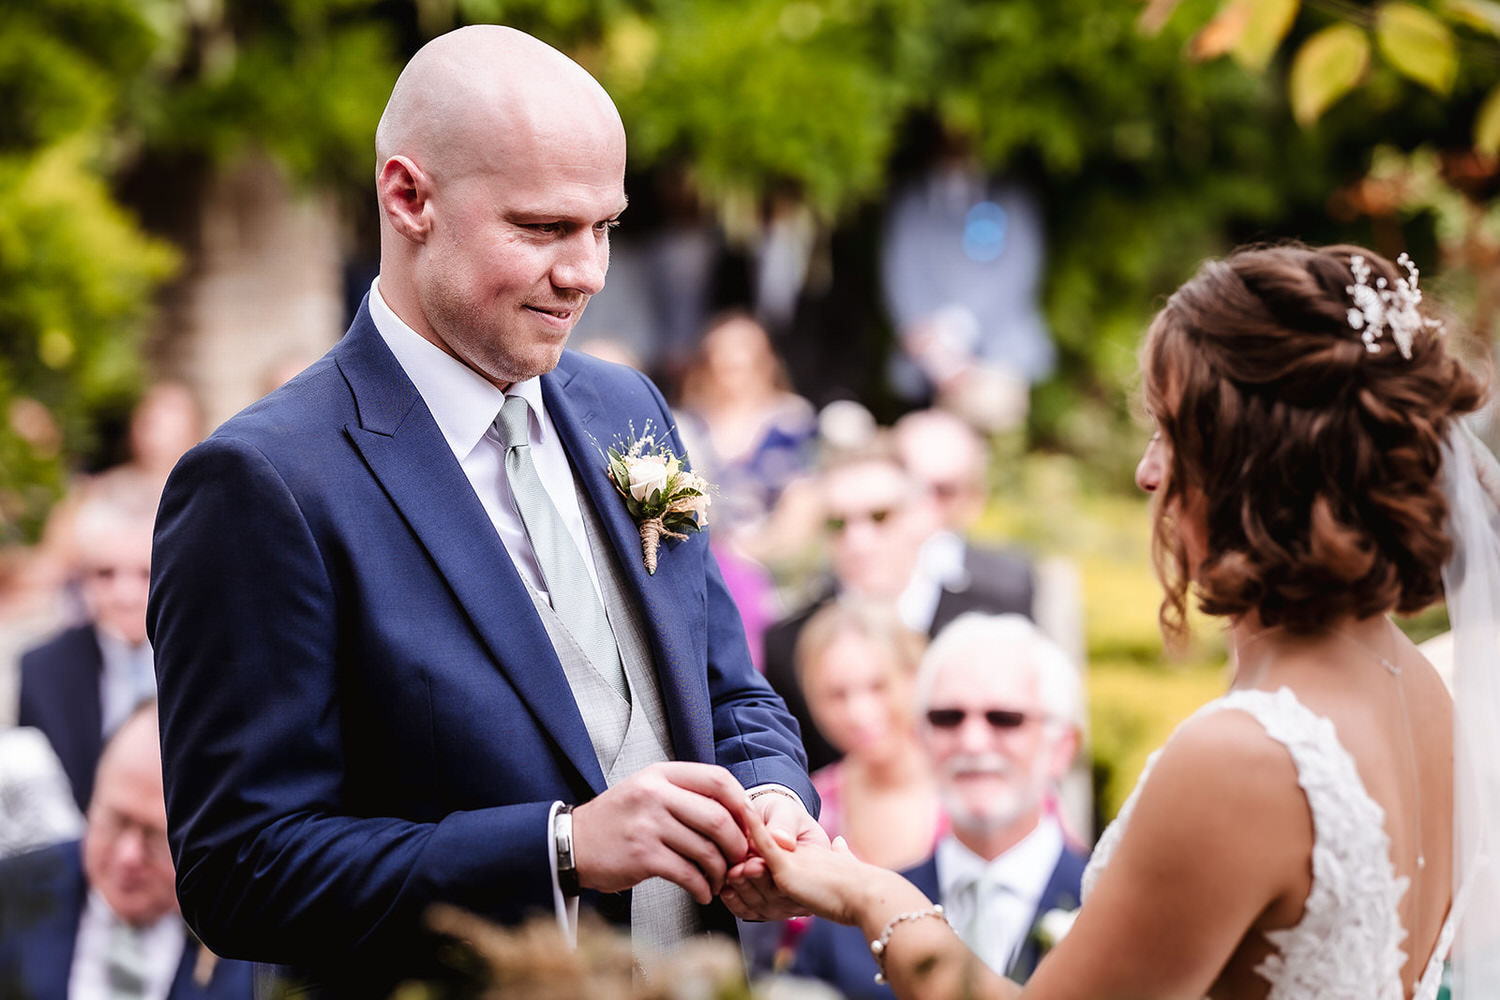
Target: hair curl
(1312, 463)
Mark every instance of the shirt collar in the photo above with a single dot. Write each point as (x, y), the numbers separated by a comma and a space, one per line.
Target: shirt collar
(100, 911)
(942, 558)
(1025, 869)
(462, 402)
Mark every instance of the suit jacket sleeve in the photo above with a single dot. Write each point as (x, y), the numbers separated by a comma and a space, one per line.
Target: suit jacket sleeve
(245, 623)
(754, 735)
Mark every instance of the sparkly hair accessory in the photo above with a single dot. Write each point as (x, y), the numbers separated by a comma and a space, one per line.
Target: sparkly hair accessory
(1380, 307)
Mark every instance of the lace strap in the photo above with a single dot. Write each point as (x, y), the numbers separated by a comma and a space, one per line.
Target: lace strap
(1427, 986)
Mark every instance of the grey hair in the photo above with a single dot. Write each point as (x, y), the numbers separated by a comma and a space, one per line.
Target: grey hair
(989, 638)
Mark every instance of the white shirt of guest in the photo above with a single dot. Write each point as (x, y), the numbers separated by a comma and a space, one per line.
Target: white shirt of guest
(939, 567)
(464, 405)
(161, 948)
(1020, 874)
(127, 678)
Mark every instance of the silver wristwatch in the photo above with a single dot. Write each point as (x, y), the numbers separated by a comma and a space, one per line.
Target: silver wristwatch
(562, 839)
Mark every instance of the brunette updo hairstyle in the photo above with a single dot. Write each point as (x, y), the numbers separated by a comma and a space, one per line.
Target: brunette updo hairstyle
(1312, 463)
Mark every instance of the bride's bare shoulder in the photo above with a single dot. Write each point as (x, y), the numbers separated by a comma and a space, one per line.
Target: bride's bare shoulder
(1222, 780)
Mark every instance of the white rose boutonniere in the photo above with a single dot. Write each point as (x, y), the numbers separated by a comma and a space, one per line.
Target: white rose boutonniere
(1053, 926)
(663, 497)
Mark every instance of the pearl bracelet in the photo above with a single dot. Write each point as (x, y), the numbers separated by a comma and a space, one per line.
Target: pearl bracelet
(878, 946)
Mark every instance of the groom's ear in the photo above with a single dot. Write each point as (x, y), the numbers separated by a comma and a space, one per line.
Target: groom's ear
(405, 194)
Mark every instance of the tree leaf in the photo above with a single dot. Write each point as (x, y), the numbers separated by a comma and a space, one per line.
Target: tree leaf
(1481, 15)
(1224, 32)
(1267, 25)
(1155, 16)
(1487, 125)
(1418, 45)
(1327, 67)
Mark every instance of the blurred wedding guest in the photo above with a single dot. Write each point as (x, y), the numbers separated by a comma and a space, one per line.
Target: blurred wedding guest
(857, 663)
(961, 267)
(752, 435)
(80, 685)
(879, 518)
(37, 797)
(99, 918)
(997, 706)
(166, 422)
(33, 606)
(947, 454)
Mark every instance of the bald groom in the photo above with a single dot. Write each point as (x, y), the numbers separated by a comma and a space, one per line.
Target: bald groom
(408, 651)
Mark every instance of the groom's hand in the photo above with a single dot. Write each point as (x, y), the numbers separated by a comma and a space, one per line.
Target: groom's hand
(679, 820)
(750, 892)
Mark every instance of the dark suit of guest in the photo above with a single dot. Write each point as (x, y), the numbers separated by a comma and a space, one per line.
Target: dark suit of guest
(996, 581)
(42, 899)
(60, 696)
(840, 956)
(361, 711)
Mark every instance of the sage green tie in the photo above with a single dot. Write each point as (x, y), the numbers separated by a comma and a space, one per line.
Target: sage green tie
(568, 582)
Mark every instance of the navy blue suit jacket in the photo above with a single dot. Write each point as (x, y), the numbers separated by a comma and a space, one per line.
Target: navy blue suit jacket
(42, 897)
(60, 696)
(361, 711)
(840, 956)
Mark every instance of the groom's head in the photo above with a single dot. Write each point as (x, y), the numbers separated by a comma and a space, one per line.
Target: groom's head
(500, 171)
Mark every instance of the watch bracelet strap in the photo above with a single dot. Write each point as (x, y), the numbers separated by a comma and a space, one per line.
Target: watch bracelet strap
(562, 839)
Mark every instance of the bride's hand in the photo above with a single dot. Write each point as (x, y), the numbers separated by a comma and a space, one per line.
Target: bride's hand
(829, 881)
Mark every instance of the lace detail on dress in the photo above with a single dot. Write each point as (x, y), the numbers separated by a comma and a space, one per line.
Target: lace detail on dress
(1348, 944)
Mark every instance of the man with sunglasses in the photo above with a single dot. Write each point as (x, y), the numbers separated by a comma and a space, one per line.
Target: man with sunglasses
(998, 708)
(887, 542)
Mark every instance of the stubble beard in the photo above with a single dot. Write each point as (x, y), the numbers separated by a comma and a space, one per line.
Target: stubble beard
(490, 346)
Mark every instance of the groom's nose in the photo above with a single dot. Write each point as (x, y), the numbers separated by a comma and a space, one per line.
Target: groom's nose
(581, 263)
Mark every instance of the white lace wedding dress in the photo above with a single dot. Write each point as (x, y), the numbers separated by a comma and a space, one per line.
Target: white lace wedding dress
(1348, 944)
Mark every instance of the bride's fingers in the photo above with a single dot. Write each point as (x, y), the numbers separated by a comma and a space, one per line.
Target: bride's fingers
(841, 846)
(765, 843)
(784, 840)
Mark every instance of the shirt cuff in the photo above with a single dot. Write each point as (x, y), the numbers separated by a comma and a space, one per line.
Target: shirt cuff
(565, 907)
(773, 788)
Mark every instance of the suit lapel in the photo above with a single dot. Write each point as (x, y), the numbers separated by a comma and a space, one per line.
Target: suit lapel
(1059, 894)
(587, 430)
(405, 450)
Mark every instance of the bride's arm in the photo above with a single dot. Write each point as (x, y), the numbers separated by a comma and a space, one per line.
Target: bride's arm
(1220, 836)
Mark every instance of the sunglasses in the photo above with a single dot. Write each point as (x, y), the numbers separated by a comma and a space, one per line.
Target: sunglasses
(998, 718)
(838, 523)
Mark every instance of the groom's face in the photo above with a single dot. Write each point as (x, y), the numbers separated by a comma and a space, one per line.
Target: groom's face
(519, 244)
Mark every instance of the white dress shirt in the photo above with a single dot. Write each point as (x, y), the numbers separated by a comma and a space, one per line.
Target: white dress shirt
(1013, 886)
(127, 678)
(939, 566)
(160, 947)
(464, 405)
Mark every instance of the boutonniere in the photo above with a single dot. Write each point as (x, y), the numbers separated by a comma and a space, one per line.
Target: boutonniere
(663, 497)
(1051, 927)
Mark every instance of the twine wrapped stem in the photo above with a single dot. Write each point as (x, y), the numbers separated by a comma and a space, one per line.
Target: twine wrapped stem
(651, 531)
